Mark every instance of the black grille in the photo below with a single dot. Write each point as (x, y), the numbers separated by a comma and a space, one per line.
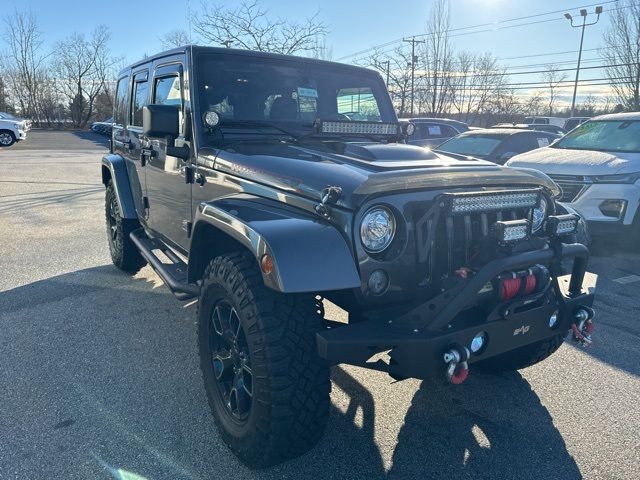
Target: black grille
(572, 186)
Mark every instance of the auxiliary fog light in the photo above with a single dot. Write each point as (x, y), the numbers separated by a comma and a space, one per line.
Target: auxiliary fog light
(511, 231)
(378, 282)
(478, 342)
(554, 319)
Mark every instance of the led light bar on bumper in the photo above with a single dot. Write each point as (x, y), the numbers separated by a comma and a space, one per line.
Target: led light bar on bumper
(466, 203)
(366, 128)
(511, 230)
(560, 225)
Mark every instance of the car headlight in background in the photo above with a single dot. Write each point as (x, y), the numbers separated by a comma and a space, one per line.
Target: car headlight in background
(539, 214)
(618, 178)
(377, 228)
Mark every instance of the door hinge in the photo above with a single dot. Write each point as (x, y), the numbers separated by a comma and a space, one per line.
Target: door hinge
(189, 174)
(145, 202)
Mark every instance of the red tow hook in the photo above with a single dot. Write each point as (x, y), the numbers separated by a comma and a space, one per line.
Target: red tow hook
(582, 328)
(457, 367)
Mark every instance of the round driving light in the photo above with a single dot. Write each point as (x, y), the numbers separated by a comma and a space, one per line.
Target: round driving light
(409, 129)
(478, 342)
(554, 319)
(378, 282)
(539, 214)
(211, 119)
(377, 229)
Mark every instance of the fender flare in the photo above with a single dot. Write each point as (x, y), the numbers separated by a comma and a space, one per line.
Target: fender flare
(309, 254)
(117, 168)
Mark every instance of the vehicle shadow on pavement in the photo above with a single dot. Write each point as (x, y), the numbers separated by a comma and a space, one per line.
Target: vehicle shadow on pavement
(490, 427)
(97, 139)
(100, 374)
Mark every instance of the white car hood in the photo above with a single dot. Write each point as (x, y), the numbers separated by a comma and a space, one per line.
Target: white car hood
(577, 162)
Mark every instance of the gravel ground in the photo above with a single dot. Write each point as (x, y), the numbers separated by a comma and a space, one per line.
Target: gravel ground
(99, 373)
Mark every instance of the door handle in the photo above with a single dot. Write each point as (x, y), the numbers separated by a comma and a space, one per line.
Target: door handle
(146, 153)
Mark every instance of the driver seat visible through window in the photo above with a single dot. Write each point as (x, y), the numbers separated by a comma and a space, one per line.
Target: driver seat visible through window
(284, 108)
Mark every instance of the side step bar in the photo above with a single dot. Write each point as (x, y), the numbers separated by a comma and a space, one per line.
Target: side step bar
(173, 274)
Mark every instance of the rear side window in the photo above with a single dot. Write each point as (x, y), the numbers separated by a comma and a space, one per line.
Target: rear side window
(167, 91)
(140, 99)
(122, 90)
(436, 130)
(518, 143)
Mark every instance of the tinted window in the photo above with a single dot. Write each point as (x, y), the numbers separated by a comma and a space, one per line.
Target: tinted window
(140, 98)
(607, 136)
(518, 143)
(272, 89)
(436, 130)
(167, 91)
(121, 101)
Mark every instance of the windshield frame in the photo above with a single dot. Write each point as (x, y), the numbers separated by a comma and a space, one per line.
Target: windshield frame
(557, 144)
(303, 127)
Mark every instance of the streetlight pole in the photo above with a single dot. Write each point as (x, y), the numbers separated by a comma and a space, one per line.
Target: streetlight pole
(413, 42)
(583, 14)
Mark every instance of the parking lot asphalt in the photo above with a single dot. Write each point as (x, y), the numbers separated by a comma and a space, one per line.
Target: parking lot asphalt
(99, 373)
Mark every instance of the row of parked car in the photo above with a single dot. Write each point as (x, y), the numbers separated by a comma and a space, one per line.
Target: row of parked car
(596, 164)
(103, 128)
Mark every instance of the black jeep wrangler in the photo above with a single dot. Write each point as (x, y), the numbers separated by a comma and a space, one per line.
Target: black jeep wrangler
(262, 185)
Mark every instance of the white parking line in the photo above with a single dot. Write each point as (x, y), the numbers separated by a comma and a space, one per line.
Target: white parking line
(628, 279)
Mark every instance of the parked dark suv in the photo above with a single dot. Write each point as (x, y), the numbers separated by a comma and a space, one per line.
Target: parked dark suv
(265, 185)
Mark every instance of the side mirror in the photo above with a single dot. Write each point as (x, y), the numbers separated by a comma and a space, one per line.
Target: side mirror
(161, 121)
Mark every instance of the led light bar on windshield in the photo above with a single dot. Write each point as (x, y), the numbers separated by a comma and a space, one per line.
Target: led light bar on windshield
(366, 128)
(478, 202)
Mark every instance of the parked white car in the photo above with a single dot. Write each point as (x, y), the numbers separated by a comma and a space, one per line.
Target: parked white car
(12, 129)
(597, 165)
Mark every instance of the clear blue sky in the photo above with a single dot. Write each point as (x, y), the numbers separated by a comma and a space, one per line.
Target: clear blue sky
(354, 25)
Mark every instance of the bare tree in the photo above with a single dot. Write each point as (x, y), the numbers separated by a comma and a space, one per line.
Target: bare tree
(533, 104)
(23, 64)
(435, 58)
(394, 67)
(248, 26)
(175, 38)
(553, 78)
(622, 53)
(83, 67)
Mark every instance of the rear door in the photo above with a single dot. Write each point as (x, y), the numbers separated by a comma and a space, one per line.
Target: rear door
(168, 192)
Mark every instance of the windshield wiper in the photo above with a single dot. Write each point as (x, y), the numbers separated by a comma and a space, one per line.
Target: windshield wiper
(259, 124)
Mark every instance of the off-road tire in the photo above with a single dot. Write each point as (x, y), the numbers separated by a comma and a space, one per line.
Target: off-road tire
(522, 357)
(10, 135)
(291, 385)
(124, 253)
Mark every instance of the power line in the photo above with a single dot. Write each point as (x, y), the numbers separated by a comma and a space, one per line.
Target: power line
(470, 27)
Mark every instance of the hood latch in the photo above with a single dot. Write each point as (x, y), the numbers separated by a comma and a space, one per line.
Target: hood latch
(330, 196)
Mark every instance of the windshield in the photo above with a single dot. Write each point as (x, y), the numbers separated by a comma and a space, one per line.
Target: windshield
(7, 116)
(472, 145)
(286, 92)
(605, 136)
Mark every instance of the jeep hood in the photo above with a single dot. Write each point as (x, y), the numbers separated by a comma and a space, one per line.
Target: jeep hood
(577, 162)
(360, 170)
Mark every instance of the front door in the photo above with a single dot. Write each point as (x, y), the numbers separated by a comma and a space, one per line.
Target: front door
(168, 193)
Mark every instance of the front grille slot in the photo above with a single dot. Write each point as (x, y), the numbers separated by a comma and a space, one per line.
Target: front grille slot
(572, 186)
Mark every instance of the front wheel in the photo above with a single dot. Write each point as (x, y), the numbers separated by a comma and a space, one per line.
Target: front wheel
(266, 385)
(7, 138)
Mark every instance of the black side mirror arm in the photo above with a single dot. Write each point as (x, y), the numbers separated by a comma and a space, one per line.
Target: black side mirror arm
(183, 152)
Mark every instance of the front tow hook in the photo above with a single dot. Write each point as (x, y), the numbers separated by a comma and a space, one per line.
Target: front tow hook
(582, 327)
(457, 367)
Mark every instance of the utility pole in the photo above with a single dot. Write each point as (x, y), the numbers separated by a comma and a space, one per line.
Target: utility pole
(583, 14)
(414, 59)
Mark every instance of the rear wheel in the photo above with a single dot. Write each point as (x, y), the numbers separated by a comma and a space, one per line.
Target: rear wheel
(266, 385)
(7, 138)
(522, 357)
(124, 253)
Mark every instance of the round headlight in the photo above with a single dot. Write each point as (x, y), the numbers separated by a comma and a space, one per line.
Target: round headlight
(377, 229)
(539, 214)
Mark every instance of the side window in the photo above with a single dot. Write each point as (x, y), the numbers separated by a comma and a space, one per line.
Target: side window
(513, 145)
(540, 140)
(122, 89)
(167, 91)
(437, 130)
(139, 100)
(358, 104)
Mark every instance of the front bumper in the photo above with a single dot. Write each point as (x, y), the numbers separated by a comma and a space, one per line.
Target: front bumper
(588, 203)
(417, 340)
(22, 135)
